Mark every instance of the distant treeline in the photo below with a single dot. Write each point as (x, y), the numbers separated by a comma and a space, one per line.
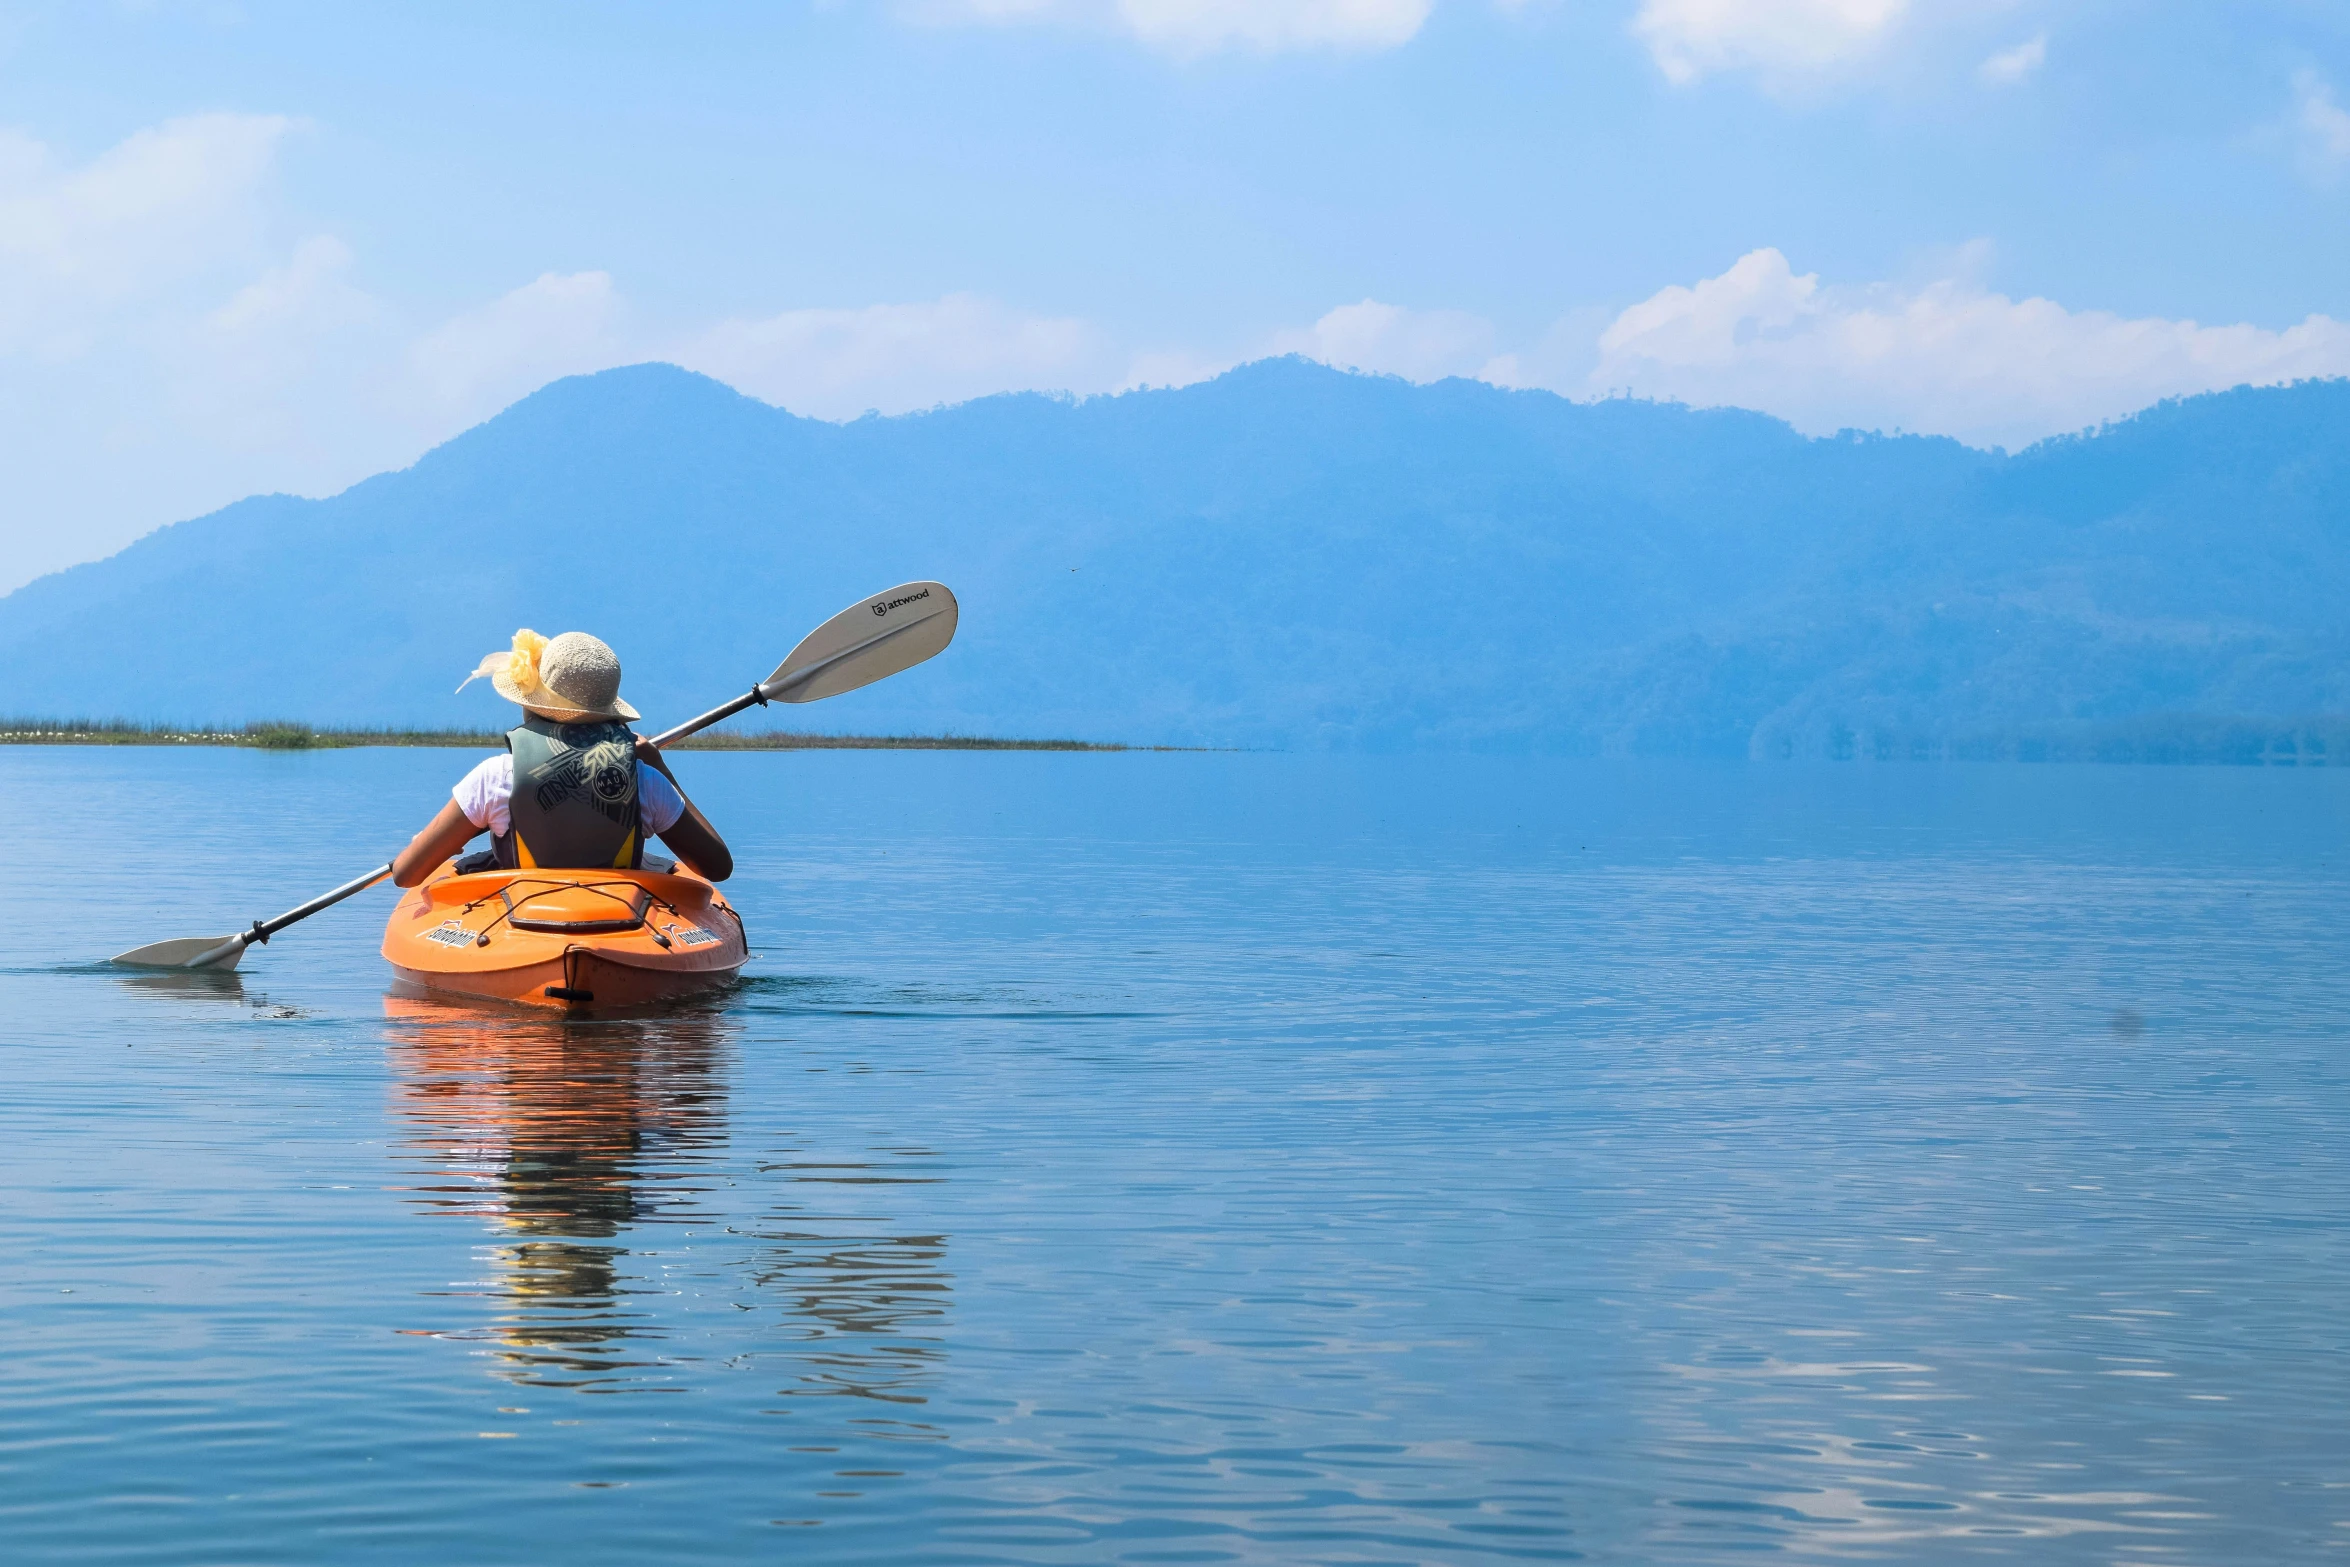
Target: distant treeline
(2316, 741)
(287, 736)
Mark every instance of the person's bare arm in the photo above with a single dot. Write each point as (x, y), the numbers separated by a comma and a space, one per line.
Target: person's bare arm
(691, 835)
(443, 836)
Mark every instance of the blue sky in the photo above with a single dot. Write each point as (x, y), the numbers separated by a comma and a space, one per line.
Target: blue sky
(259, 246)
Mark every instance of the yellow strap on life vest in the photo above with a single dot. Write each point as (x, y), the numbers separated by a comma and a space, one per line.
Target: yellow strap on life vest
(627, 855)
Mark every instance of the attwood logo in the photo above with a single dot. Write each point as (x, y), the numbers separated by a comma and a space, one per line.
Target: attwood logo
(885, 608)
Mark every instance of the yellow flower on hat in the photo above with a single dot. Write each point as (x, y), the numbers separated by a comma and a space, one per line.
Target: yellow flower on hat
(573, 676)
(520, 666)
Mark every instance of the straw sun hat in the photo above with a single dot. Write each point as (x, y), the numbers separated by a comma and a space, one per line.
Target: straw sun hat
(567, 677)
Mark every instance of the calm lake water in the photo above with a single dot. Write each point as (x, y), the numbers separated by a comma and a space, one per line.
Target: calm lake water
(1203, 1159)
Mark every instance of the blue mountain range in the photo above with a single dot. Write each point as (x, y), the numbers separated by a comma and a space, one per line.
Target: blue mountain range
(1286, 556)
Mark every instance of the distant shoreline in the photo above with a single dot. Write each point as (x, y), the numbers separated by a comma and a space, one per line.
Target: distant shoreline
(302, 737)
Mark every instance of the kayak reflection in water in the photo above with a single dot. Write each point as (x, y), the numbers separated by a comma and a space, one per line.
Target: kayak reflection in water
(577, 788)
(567, 1141)
(630, 1250)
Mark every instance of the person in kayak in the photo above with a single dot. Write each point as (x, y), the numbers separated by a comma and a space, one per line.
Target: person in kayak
(576, 788)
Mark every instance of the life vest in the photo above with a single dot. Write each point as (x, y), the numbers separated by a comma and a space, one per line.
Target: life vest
(574, 805)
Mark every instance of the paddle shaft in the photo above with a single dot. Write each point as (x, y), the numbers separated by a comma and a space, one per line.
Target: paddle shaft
(226, 951)
(671, 736)
(264, 929)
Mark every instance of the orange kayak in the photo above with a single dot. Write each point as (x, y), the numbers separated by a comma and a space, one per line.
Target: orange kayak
(566, 938)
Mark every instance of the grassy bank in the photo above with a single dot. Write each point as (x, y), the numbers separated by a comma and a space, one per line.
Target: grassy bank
(302, 737)
(2168, 739)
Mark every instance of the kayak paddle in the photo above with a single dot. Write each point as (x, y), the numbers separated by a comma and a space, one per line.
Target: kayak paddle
(873, 637)
(222, 952)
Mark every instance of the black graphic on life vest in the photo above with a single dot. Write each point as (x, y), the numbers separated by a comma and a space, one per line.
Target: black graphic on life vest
(601, 773)
(575, 798)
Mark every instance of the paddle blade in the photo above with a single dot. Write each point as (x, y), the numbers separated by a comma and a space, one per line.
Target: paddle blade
(213, 952)
(873, 637)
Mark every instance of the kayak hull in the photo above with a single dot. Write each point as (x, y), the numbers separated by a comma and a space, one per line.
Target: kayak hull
(569, 940)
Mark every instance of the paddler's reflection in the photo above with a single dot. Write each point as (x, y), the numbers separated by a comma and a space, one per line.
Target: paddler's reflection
(581, 1144)
(563, 1135)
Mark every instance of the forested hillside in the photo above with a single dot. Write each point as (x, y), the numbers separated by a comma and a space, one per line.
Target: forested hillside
(1286, 556)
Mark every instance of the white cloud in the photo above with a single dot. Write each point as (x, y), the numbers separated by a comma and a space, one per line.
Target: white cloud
(163, 207)
(1419, 345)
(1188, 28)
(556, 325)
(310, 291)
(839, 363)
(1692, 38)
(1164, 367)
(984, 10)
(128, 353)
(2323, 125)
(2010, 66)
(232, 368)
(1369, 336)
(827, 364)
(1198, 26)
(1948, 357)
(165, 347)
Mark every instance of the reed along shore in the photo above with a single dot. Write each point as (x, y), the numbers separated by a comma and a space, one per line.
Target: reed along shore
(303, 737)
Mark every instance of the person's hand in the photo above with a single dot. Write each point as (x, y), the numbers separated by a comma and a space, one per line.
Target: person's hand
(650, 754)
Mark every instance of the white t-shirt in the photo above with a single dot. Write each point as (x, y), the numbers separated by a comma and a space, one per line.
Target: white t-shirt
(486, 793)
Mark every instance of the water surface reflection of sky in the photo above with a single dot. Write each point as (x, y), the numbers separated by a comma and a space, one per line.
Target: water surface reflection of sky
(1223, 1158)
